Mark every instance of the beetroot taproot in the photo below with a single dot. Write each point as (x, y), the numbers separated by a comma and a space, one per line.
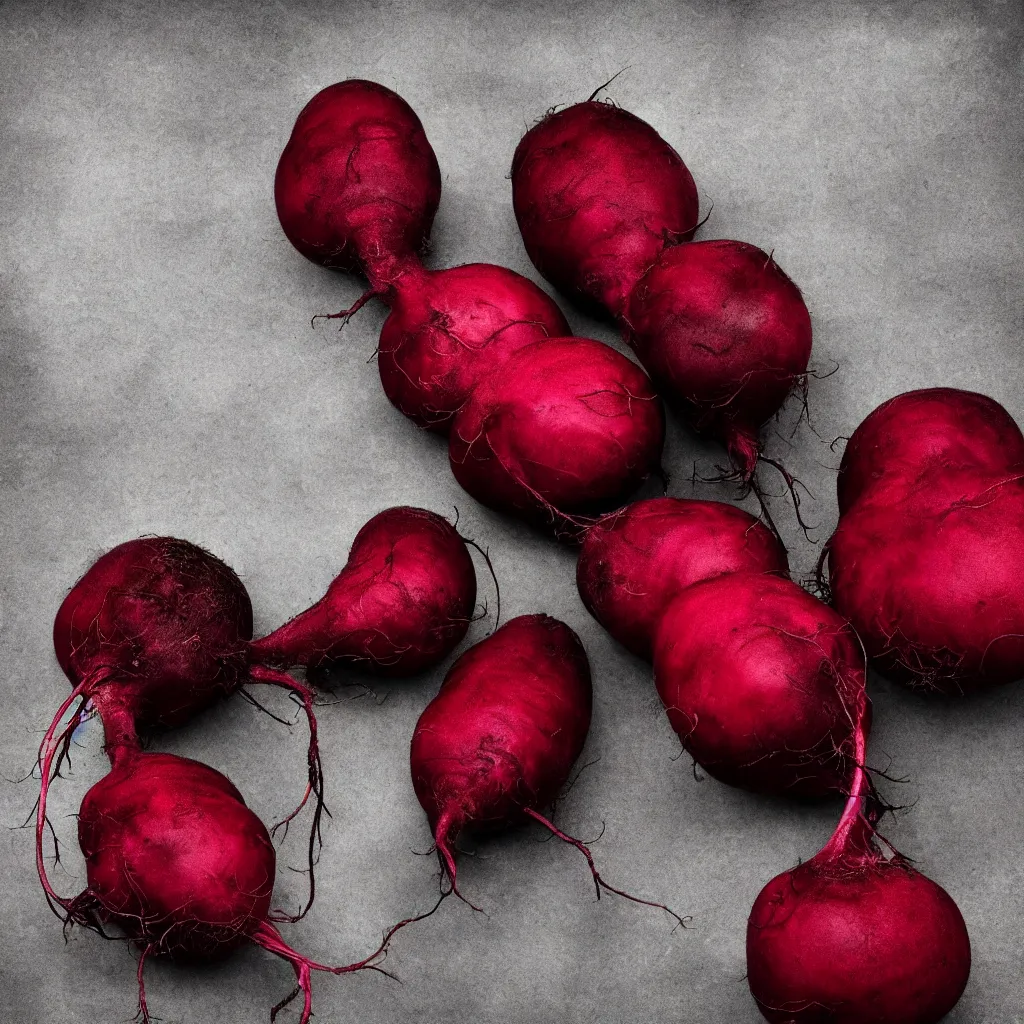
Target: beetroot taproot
(927, 558)
(496, 745)
(603, 203)
(358, 184)
(563, 429)
(855, 937)
(761, 681)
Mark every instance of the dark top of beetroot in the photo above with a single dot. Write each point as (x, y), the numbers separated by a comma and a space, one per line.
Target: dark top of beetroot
(598, 194)
(358, 183)
(402, 602)
(160, 625)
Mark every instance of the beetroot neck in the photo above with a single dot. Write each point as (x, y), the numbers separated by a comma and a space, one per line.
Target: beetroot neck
(297, 642)
(744, 450)
(854, 833)
(386, 272)
(120, 735)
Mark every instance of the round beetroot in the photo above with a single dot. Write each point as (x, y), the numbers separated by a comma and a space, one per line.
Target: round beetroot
(447, 327)
(633, 562)
(562, 429)
(725, 336)
(763, 684)
(927, 558)
(402, 602)
(851, 937)
(358, 184)
(157, 626)
(598, 194)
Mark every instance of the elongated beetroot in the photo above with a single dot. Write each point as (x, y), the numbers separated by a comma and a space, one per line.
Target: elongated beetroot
(448, 327)
(598, 194)
(402, 602)
(602, 203)
(761, 681)
(726, 337)
(358, 184)
(563, 428)
(927, 558)
(855, 937)
(635, 561)
(496, 745)
(175, 861)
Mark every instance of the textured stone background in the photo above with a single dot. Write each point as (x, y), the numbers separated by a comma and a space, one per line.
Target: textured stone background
(159, 374)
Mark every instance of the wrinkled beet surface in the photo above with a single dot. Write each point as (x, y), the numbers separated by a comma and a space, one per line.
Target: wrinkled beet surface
(927, 559)
(725, 336)
(761, 681)
(402, 602)
(563, 428)
(635, 561)
(448, 327)
(358, 183)
(506, 727)
(598, 194)
(174, 857)
(162, 626)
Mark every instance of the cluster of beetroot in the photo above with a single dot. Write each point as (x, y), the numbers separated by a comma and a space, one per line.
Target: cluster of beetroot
(763, 682)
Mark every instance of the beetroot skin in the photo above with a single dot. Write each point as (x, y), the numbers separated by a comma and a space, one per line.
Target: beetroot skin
(726, 337)
(927, 558)
(635, 561)
(358, 184)
(602, 203)
(762, 682)
(402, 602)
(448, 327)
(853, 937)
(598, 194)
(562, 429)
(497, 743)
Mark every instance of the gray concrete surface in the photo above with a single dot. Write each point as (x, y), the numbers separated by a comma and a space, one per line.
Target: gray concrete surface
(159, 374)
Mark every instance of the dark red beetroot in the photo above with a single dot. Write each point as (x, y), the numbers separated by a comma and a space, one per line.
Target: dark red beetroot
(760, 680)
(448, 327)
(563, 429)
(598, 194)
(402, 602)
(497, 743)
(635, 561)
(726, 337)
(853, 937)
(176, 861)
(358, 184)
(763, 684)
(602, 203)
(927, 559)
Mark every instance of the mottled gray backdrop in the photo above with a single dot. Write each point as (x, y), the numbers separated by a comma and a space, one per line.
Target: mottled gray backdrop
(159, 374)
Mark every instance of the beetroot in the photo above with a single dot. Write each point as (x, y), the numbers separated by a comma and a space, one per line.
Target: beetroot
(761, 681)
(562, 428)
(461, 353)
(726, 337)
(358, 184)
(635, 561)
(401, 603)
(854, 937)
(176, 862)
(447, 327)
(602, 203)
(926, 560)
(598, 194)
(497, 743)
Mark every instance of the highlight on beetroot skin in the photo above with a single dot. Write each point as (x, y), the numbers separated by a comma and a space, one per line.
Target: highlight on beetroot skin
(447, 346)
(604, 206)
(927, 558)
(759, 679)
(855, 935)
(495, 747)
